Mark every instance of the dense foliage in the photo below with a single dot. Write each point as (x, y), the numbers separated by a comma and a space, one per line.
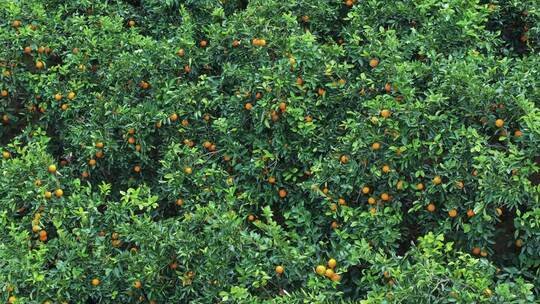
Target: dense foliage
(265, 151)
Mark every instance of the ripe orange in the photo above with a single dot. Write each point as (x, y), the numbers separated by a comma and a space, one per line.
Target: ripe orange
(371, 201)
(43, 235)
(99, 145)
(64, 107)
(4, 93)
(137, 284)
(470, 213)
(344, 159)
(6, 155)
(173, 117)
(282, 193)
(299, 81)
(320, 270)
(437, 180)
(476, 250)
(335, 277)
(203, 43)
(236, 43)
(452, 213)
(518, 133)
(248, 106)
(373, 62)
(386, 113)
(499, 123)
(59, 192)
(181, 52)
(251, 217)
(332, 263)
(131, 140)
(499, 211)
(365, 190)
(385, 197)
(329, 272)
(419, 186)
(283, 107)
(188, 170)
(519, 243)
(342, 202)
(279, 269)
(376, 146)
(460, 184)
(95, 282)
(71, 95)
(308, 118)
(431, 207)
(386, 169)
(137, 169)
(12, 299)
(52, 168)
(92, 162)
(179, 202)
(321, 91)
(399, 185)
(131, 23)
(16, 23)
(58, 97)
(271, 180)
(48, 194)
(334, 225)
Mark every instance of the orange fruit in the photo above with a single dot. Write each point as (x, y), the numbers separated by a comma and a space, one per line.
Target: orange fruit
(299, 81)
(95, 282)
(137, 169)
(333, 207)
(179, 202)
(344, 159)
(92, 162)
(499, 211)
(452, 213)
(248, 106)
(470, 213)
(499, 123)
(173, 117)
(329, 272)
(386, 169)
(399, 185)
(43, 235)
(236, 43)
(279, 269)
(376, 146)
(99, 145)
(283, 107)
(4, 93)
(251, 217)
(282, 193)
(64, 107)
(431, 207)
(386, 113)
(476, 250)
(371, 200)
(365, 190)
(203, 43)
(272, 180)
(320, 270)
(519, 243)
(460, 184)
(48, 194)
(131, 140)
(420, 186)
(58, 97)
(518, 133)
(71, 95)
(342, 202)
(437, 180)
(335, 277)
(16, 23)
(332, 263)
(188, 170)
(137, 284)
(6, 154)
(131, 23)
(308, 118)
(334, 225)
(59, 192)
(373, 62)
(51, 169)
(385, 197)
(181, 52)
(12, 299)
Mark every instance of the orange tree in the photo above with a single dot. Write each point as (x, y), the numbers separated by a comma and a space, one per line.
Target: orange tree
(269, 151)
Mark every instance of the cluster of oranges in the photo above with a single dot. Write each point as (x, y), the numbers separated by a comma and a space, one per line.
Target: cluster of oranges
(329, 270)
